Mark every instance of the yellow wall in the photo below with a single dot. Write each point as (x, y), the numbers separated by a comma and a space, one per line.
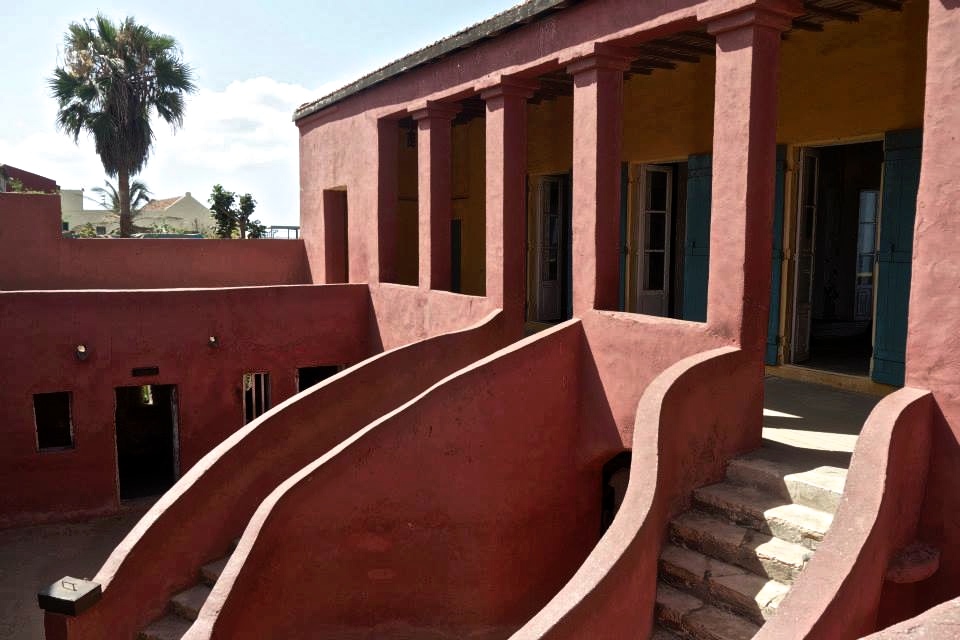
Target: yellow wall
(848, 81)
(469, 200)
(854, 79)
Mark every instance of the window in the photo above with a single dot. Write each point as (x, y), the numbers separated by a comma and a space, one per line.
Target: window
(309, 376)
(101, 231)
(51, 411)
(256, 395)
(64, 225)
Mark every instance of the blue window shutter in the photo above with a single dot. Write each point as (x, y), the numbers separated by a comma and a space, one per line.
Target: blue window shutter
(696, 259)
(901, 180)
(773, 321)
(624, 199)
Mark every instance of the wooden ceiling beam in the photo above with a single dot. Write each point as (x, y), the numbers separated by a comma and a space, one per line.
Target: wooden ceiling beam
(803, 25)
(833, 14)
(664, 52)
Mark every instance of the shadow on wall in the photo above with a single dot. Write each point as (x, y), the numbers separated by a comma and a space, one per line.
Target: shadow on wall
(460, 513)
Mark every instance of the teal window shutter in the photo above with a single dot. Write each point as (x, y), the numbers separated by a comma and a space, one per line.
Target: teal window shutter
(901, 180)
(776, 266)
(624, 201)
(696, 259)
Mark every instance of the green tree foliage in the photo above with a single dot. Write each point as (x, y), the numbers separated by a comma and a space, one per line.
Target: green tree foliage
(233, 216)
(114, 77)
(110, 196)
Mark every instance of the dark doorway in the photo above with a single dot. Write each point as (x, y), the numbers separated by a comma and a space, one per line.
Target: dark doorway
(309, 376)
(839, 217)
(146, 421)
(616, 474)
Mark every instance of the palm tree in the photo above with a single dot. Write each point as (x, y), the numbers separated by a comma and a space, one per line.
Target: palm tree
(113, 78)
(110, 196)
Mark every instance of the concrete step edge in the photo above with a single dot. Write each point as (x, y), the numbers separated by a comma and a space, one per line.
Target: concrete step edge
(757, 552)
(691, 617)
(721, 584)
(759, 510)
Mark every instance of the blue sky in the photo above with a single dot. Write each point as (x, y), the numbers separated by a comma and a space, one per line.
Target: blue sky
(254, 62)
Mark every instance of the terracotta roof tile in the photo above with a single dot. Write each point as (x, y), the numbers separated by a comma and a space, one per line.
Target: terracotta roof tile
(160, 205)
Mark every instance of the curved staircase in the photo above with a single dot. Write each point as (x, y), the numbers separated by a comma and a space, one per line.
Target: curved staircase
(731, 559)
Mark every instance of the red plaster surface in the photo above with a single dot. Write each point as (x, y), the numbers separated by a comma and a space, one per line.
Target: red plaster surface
(195, 521)
(34, 255)
(464, 509)
(690, 420)
(257, 329)
(934, 323)
(840, 594)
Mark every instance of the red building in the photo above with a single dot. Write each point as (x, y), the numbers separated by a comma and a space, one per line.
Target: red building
(679, 194)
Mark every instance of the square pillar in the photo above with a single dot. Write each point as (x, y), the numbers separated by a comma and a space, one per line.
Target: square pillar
(597, 138)
(506, 197)
(744, 166)
(933, 324)
(435, 189)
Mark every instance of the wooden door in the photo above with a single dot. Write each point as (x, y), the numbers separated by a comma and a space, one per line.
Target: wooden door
(805, 254)
(649, 243)
(548, 250)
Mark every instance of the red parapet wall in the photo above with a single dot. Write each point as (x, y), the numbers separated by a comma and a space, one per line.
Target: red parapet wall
(274, 329)
(209, 507)
(35, 255)
(690, 420)
(840, 595)
(460, 513)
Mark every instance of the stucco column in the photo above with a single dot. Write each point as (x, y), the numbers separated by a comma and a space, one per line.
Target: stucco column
(744, 167)
(933, 333)
(597, 138)
(506, 197)
(435, 189)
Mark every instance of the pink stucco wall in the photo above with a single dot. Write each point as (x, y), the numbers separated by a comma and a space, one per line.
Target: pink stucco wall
(690, 420)
(459, 513)
(258, 329)
(34, 255)
(934, 322)
(209, 507)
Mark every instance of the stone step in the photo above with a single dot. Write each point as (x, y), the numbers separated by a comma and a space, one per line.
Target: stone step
(211, 571)
(188, 603)
(764, 512)
(726, 585)
(818, 487)
(760, 553)
(661, 633)
(684, 613)
(169, 627)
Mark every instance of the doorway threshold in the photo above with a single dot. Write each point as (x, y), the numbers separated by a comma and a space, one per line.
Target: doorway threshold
(845, 381)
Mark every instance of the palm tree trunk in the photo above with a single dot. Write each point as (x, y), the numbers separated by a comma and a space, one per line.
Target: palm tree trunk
(123, 187)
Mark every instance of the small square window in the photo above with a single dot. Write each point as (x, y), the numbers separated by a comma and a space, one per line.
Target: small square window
(64, 225)
(51, 411)
(101, 231)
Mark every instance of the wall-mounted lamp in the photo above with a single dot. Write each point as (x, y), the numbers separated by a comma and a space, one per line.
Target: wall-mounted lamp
(212, 342)
(82, 352)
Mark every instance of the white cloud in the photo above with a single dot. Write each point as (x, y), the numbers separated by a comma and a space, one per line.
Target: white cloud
(241, 137)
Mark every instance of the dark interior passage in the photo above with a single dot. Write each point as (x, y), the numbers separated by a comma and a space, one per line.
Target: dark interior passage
(146, 434)
(616, 474)
(847, 222)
